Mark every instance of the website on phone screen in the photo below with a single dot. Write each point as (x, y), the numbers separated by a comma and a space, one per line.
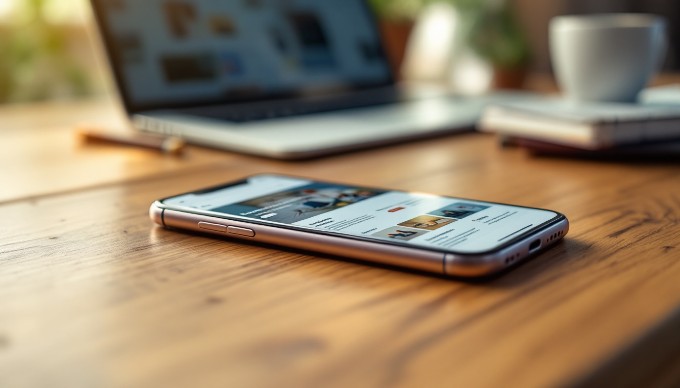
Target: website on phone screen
(423, 220)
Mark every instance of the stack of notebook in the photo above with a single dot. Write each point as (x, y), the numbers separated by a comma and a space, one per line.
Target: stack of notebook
(651, 126)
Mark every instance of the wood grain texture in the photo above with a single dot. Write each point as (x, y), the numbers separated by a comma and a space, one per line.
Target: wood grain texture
(92, 294)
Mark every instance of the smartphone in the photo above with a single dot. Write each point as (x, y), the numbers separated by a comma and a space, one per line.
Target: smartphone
(443, 235)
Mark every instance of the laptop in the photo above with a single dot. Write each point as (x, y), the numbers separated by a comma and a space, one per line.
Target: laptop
(287, 79)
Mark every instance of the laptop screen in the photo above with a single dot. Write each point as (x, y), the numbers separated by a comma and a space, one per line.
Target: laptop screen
(172, 53)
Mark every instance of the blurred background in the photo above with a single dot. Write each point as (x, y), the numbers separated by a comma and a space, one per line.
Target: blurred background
(46, 51)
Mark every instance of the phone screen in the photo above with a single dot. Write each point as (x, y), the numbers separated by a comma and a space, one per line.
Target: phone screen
(422, 220)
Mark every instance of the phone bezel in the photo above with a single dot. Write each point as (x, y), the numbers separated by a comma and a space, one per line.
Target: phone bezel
(559, 217)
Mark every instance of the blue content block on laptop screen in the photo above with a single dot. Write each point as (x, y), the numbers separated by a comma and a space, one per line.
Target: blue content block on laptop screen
(173, 51)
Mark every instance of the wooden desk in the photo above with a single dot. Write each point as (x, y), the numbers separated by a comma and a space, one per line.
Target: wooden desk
(93, 295)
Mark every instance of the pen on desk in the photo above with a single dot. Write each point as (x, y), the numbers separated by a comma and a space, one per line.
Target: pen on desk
(165, 144)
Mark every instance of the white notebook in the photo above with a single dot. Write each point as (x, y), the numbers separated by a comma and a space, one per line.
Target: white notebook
(589, 126)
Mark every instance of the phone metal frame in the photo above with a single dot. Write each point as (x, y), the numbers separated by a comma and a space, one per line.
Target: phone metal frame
(395, 254)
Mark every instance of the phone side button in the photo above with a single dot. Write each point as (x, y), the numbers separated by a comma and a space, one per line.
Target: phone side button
(245, 232)
(213, 227)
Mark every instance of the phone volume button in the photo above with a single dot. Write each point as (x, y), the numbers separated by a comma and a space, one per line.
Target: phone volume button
(212, 227)
(245, 232)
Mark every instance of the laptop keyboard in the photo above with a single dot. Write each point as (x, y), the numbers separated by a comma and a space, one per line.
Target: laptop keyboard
(277, 109)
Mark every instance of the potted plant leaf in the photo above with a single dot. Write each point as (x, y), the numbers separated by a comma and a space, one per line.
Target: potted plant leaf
(494, 34)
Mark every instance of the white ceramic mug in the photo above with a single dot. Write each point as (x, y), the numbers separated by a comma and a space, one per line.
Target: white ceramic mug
(606, 57)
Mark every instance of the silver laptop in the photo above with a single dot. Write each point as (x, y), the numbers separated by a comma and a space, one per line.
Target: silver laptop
(286, 79)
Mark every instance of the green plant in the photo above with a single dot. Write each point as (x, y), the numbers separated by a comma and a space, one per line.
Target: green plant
(490, 26)
(5, 68)
(493, 32)
(36, 62)
(397, 10)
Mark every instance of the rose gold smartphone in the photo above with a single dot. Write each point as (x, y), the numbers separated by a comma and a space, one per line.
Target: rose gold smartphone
(444, 235)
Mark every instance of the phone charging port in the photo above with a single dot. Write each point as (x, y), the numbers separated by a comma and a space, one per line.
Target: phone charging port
(534, 245)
